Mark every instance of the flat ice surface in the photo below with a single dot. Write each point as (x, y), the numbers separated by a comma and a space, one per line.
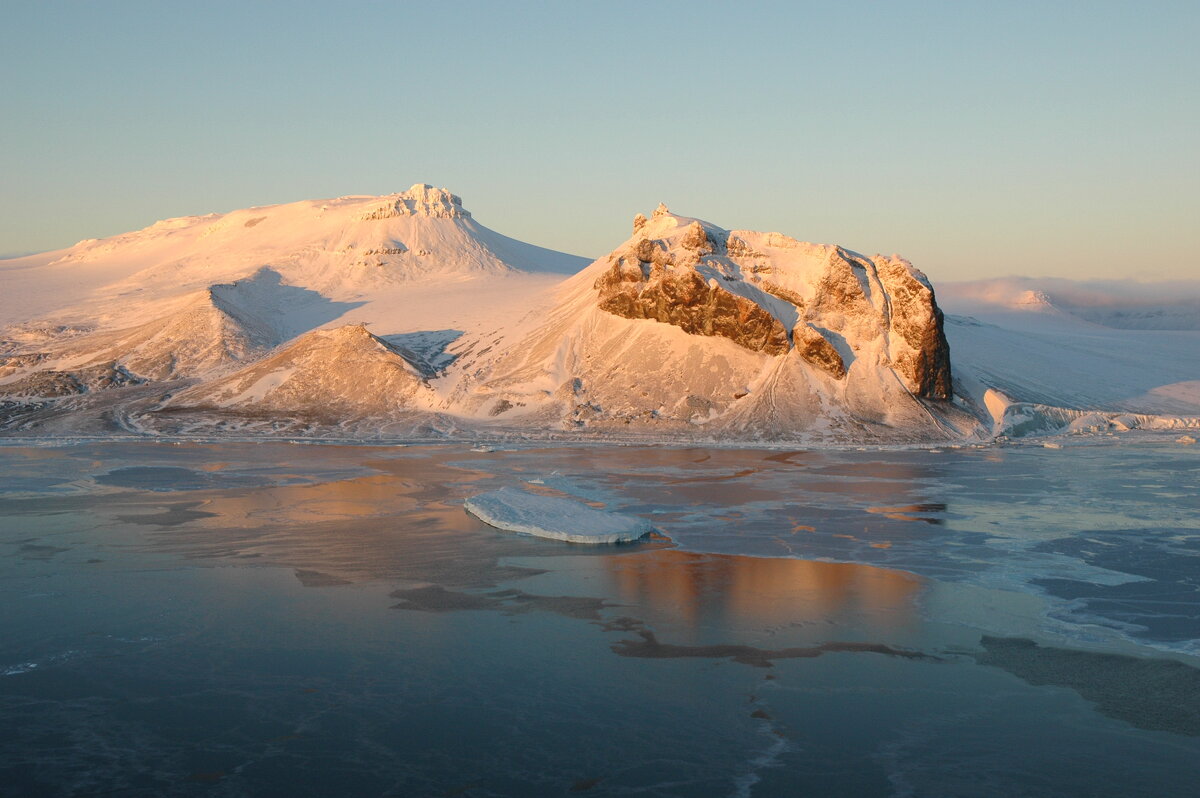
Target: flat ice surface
(197, 619)
(1102, 530)
(551, 517)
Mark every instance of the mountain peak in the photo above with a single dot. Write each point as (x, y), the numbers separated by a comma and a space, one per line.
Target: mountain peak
(1034, 298)
(354, 336)
(421, 199)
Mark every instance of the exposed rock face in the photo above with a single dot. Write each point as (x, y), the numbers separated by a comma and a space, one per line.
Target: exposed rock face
(696, 239)
(647, 284)
(44, 384)
(840, 291)
(782, 293)
(915, 318)
(686, 330)
(11, 364)
(770, 293)
(421, 200)
(816, 349)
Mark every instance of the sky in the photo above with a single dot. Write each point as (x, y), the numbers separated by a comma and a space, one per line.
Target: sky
(977, 139)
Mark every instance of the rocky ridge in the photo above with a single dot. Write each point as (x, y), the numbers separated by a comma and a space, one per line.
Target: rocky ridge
(708, 281)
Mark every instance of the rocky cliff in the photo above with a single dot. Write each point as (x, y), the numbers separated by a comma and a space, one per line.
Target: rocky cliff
(647, 280)
(708, 281)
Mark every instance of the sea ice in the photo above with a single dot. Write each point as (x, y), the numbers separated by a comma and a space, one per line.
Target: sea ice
(556, 518)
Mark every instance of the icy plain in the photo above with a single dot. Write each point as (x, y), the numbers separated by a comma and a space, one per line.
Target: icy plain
(304, 620)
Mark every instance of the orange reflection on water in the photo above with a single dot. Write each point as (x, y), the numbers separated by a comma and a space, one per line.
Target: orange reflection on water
(756, 591)
(313, 502)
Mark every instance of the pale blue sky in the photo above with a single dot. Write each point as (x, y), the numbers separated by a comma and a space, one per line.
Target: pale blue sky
(977, 139)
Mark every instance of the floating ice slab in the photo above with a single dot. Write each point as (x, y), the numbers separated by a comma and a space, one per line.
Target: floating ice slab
(550, 517)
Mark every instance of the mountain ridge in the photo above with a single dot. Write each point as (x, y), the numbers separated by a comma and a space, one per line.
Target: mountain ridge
(298, 318)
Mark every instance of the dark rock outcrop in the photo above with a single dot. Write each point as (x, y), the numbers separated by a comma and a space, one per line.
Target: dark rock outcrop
(780, 292)
(49, 383)
(420, 200)
(816, 349)
(916, 318)
(840, 289)
(690, 278)
(645, 285)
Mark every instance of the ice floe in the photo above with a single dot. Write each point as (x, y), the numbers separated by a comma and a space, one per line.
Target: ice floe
(553, 517)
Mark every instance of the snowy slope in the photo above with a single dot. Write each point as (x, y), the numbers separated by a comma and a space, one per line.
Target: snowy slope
(344, 249)
(335, 373)
(196, 296)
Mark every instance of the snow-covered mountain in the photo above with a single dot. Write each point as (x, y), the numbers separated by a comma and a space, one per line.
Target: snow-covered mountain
(693, 330)
(1119, 304)
(402, 316)
(185, 297)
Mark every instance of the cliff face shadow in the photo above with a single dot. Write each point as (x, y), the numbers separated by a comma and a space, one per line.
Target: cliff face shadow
(428, 347)
(287, 310)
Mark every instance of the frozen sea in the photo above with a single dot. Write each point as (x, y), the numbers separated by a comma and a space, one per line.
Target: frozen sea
(275, 619)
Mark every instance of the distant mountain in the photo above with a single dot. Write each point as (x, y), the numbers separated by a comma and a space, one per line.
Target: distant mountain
(343, 249)
(1120, 304)
(401, 316)
(189, 297)
(1046, 354)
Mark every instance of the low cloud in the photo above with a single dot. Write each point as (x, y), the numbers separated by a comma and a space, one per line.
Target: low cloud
(1077, 293)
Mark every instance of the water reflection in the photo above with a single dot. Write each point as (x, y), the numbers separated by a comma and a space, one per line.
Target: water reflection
(704, 589)
(359, 497)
